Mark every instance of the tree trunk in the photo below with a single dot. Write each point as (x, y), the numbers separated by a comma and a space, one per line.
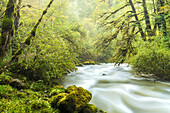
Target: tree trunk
(7, 29)
(16, 25)
(137, 21)
(28, 39)
(161, 20)
(155, 25)
(147, 19)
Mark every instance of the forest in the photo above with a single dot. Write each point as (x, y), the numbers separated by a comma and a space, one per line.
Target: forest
(42, 41)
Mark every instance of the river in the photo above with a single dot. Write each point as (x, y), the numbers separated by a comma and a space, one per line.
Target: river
(115, 90)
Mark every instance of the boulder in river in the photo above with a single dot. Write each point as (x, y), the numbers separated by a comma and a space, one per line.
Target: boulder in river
(89, 62)
(73, 102)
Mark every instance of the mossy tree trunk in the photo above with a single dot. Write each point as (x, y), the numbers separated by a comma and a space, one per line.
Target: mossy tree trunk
(7, 29)
(28, 39)
(161, 20)
(137, 20)
(147, 19)
(16, 26)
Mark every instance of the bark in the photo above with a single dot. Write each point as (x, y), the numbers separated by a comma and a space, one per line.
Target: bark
(137, 20)
(147, 19)
(7, 29)
(161, 20)
(155, 25)
(16, 25)
(17, 17)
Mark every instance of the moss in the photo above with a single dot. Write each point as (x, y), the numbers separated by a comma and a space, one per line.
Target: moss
(55, 99)
(6, 91)
(56, 91)
(38, 86)
(39, 104)
(89, 62)
(5, 79)
(75, 101)
(101, 111)
(90, 108)
(7, 23)
(21, 95)
(71, 88)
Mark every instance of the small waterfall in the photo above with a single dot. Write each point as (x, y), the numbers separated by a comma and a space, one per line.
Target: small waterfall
(115, 90)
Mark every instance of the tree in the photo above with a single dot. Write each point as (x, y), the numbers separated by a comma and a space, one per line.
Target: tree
(126, 27)
(7, 32)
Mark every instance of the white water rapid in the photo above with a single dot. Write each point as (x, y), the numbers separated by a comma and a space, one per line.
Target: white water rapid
(115, 90)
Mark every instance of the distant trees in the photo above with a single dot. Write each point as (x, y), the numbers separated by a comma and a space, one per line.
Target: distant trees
(147, 18)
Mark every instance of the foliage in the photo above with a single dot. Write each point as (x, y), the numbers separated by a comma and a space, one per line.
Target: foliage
(152, 58)
(128, 20)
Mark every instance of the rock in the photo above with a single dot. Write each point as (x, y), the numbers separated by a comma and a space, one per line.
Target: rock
(90, 108)
(71, 88)
(56, 98)
(75, 101)
(79, 64)
(16, 83)
(89, 62)
(57, 90)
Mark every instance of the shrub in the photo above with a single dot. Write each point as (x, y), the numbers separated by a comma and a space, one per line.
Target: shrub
(44, 59)
(152, 58)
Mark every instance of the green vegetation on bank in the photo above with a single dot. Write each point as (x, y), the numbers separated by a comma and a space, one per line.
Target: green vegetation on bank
(41, 98)
(45, 40)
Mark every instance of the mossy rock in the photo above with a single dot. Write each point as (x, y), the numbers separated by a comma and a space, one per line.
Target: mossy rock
(75, 101)
(79, 64)
(5, 79)
(57, 90)
(90, 108)
(56, 98)
(71, 88)
(39, 104)
(89, 62)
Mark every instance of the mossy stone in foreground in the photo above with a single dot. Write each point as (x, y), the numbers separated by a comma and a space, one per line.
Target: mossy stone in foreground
(75, 101)
(56, 98)
(90, 108)
(57, 90)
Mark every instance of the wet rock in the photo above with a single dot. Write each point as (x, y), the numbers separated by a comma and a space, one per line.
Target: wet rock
(16, 83)
(89, 62)
(75, 101)
(79, 64)
(90, 108)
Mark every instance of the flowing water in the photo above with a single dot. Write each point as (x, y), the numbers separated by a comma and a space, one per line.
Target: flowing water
(115, 90)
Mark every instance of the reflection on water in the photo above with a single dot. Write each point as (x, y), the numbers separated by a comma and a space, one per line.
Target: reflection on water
(115, 90)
